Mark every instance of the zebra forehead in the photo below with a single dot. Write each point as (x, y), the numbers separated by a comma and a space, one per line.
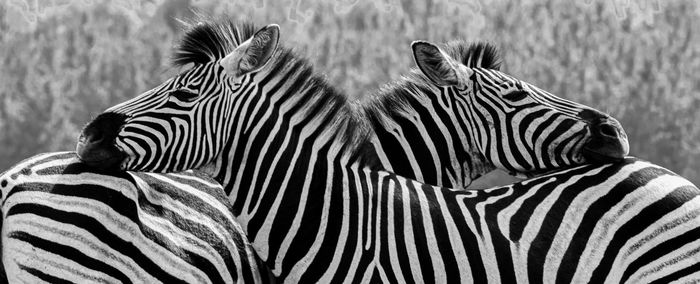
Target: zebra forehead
(208, 39)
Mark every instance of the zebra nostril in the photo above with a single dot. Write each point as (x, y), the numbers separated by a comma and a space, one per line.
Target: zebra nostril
(92, 136)
(607, 130)
(608, 142)
(97, 137)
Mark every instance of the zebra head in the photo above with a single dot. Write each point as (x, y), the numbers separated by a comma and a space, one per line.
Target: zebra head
(515, 125)
(178, 125)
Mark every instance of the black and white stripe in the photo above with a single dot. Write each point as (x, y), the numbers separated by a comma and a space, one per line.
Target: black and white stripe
(65, 222)
(297, 164)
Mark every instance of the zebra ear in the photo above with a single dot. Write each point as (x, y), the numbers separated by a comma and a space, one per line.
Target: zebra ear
(252, 54)
(439, 67)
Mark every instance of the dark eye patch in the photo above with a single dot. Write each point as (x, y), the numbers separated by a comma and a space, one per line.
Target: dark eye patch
(516, 95)
(184, 95)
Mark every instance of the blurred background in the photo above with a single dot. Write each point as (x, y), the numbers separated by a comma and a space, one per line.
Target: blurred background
(65, 61)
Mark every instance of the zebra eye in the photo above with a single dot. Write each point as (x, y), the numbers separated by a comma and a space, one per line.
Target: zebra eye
(516, 95)
(184, 95)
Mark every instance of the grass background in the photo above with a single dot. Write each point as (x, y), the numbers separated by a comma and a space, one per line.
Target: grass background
(64, 62)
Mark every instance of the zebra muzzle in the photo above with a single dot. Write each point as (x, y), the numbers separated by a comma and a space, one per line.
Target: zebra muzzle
(608, 142)
(96, 143)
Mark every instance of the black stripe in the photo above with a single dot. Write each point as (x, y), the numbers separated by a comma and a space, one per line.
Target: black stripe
(44, 276)
(678, 274)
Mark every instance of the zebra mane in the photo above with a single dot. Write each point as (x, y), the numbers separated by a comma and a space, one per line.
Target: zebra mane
(464, 52)
(394, 98)
(206, 40)
(209, 39)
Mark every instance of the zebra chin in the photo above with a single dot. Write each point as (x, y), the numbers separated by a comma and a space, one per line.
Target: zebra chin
(597, 151)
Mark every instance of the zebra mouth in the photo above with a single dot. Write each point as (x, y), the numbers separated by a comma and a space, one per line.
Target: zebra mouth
(594, 155)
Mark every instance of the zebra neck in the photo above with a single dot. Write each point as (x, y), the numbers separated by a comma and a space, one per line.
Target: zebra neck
(419, 135)
(297, 115)
(301, 172)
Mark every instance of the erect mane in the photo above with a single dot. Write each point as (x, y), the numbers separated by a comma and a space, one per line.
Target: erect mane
(478, 54)
(207, 39)
(394, 98)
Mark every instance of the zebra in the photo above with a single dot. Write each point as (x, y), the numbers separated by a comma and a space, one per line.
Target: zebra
(438, 134)
(295, 157)
(64, 221)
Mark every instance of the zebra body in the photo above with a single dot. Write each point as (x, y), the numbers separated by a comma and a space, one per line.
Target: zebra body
(296, 163)
(576, 227)
(63, 221)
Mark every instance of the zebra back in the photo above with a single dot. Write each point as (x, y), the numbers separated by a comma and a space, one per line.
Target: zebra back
(64, 221)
